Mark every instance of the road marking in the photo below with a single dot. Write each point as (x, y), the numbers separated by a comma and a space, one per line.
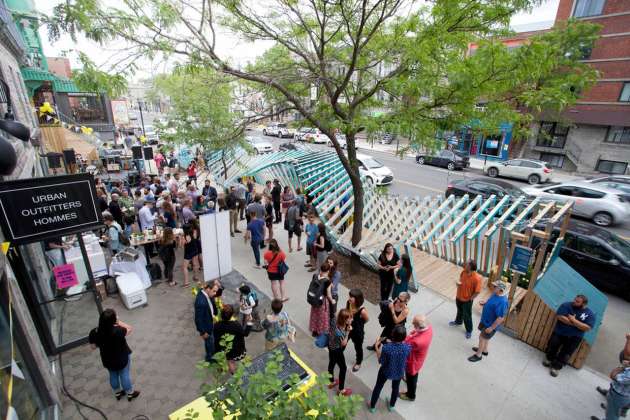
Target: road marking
(419, 186)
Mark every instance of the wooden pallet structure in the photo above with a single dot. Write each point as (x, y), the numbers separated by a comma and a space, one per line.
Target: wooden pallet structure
(439, 233)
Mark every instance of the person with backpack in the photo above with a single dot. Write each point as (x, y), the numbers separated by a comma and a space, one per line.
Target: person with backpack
(167, 254)
(359, 318)
(248, 301)
(300, 201)
(322, 245)
(293, 225)
(392, 315)
(337, 341)
(388, 263)
(110, 338)
(113, 234)
(276, 269)
(319, 296)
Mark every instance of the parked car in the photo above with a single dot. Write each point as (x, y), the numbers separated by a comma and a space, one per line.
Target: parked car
(482, 186)
(601, 257)
(341, 139)
(617, 182)
(605, 206)
(530, 170)
(448, 159)
(260, 146)
(301, 133)
(287, 146)
(387, 138)
(374, 171)
(317, 137)
(278, 130)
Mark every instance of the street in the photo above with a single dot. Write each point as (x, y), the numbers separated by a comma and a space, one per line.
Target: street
(413, 180)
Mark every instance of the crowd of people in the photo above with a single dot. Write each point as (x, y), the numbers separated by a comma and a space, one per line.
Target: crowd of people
(400, 353)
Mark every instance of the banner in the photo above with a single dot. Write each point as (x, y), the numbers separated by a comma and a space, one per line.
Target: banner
(120, 112)
(38, 208)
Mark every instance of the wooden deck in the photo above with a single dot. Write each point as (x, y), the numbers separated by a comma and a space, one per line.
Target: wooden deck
(440, 276)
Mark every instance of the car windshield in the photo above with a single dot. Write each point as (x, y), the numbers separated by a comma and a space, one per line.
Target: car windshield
(371, 163)
(305, 130)
(616, 243)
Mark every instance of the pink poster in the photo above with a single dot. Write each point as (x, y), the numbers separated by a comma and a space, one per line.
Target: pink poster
(65, 276)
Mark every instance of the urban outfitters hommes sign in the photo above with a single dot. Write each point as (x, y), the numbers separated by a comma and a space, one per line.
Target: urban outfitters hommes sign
(39, 208)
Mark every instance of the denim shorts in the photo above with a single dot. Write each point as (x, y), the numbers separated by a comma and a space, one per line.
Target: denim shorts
(484, 334)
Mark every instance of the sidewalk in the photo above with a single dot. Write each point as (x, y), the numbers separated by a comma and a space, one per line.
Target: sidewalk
(509, 383)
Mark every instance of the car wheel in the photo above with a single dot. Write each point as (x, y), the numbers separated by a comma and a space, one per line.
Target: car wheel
(420, 160)
(257, 151)
(369, 180)
(329, 143)
(493, 172)
(533, 179)
(450, 166)
(603, 218)
(264, 132)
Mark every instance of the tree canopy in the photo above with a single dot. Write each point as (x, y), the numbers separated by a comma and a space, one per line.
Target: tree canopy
(369, 63)
(89, 78)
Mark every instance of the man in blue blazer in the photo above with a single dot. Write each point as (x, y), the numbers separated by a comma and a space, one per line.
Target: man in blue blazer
(204, 312)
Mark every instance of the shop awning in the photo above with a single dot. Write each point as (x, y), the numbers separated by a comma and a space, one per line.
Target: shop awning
(64, 86)
(34, 77)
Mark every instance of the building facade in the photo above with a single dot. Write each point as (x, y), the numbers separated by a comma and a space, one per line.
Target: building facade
(594, 135)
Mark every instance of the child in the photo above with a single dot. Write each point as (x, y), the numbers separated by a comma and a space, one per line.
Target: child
(248, 303)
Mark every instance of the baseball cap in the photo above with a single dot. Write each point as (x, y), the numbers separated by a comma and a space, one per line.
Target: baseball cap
(500, 284)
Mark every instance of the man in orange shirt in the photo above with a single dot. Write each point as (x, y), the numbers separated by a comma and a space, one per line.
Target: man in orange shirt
(468, 287)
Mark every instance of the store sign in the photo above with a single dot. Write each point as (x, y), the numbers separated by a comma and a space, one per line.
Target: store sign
(38, 208)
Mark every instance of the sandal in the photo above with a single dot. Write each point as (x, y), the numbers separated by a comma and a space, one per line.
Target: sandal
(285, 300)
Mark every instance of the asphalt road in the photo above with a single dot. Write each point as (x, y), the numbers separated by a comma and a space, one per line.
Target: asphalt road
(413, 180)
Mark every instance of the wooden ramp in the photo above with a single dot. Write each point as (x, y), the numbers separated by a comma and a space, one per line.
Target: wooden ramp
(440, 276)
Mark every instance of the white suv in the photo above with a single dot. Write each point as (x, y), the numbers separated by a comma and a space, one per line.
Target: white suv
(530, 170)
(278, 130)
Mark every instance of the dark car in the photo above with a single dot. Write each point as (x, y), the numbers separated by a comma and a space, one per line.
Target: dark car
(482, 186)
(601, 257)
(287, 146)
(445, 158)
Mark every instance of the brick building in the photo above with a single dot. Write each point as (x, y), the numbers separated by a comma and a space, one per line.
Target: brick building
(598, 138)
(59, 66)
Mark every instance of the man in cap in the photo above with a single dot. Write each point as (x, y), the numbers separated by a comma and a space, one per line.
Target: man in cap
(493, 314)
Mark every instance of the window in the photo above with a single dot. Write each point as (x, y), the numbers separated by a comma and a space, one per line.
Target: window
(528, 164)
(586, 193)
(561, 190)
(619, 135)
(585, 8)
(594, 249)
(514, 162)
(491, 145)
(625, 93)
(555, 161)
(552, 134)
(611, 167)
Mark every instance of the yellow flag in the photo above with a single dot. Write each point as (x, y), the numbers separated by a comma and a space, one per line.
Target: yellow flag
(5, 247)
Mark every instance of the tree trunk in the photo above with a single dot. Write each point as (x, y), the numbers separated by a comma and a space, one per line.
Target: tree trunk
(358, 194)
(225, 170)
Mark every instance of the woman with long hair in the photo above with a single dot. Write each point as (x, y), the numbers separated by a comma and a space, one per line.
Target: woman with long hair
(286, 199)
(359, 319)
(322, 245)
(337, 342)
(319, 319)
(169, 214)
(167, 254)
(191, 253)
(404, 273)
(274, 257)
(110, 339)
(388, 263)
(335, 277)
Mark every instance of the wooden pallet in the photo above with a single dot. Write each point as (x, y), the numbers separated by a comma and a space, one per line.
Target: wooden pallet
(440, 276)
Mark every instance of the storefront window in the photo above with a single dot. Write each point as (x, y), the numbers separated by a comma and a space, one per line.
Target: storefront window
(491, 145)
(25, 399)
(58, 280)
(552, 134)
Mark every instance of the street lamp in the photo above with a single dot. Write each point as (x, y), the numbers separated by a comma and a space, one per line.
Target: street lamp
(141, 117)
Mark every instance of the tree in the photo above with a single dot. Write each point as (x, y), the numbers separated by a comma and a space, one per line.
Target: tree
(89, 78)
(360, 56)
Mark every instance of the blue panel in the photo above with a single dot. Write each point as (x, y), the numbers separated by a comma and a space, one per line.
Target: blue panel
(560, 283)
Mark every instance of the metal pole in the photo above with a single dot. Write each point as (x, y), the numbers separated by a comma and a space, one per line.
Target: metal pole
(88, 268)
(141, 118)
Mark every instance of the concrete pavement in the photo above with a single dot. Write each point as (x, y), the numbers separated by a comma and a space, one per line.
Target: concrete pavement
(509, 383)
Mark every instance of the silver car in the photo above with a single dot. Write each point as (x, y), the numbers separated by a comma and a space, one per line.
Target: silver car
(605, 206)
(616, 182)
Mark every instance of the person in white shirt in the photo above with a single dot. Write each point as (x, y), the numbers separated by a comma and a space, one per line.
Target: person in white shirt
(146, 219)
